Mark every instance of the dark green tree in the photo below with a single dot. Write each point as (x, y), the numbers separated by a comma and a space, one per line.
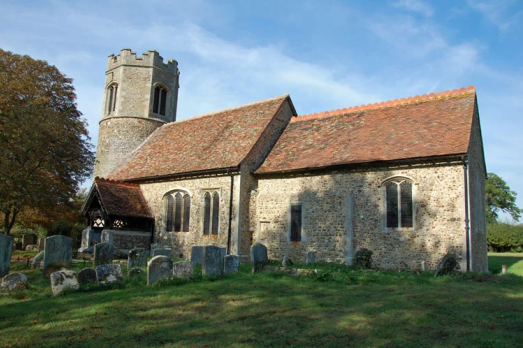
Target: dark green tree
(499, 197)
(44, 145)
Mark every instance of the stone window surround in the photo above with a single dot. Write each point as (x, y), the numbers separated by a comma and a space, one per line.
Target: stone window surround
(383, 208)
(303, 222)
(211, 191)
(111, 104)
(167, 102)
(173, 192)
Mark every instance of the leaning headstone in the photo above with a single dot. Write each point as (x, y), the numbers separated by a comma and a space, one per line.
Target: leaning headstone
(231, 263)
(13, 282)
(286, 261)
(196, 255)
(310, 257)
(109, 273)
(6, 250)
(183, 270)
(37, 262)
(87, 275)
(62, 280)
(58, 249)
(258, 257)
(212, 264)
(137, 258)
(160, 252)
(103, 253)
(135, 271)
(159, 267)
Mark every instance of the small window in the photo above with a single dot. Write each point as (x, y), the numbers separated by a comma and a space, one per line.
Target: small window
(211, 216)
(215, 212)
(186, 212)
(178, 212)
(398, 200)
(160, 100)
(112, 93)
(296, 222)
(206, 212)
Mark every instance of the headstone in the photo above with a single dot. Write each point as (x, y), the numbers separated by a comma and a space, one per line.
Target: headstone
(160, 252)
(135, 271)
(196, 255)
(19, 246)
(159, 267)
(310, 257)
(6, 250)
(87, 275)
(258, 257)
(103, 253)
(137, 258)
(183, 270)
(212, 264)
(231, 263)
(37, 262)
(28, 239)
(109, 273)
(424, 267)
(62, 280)
(14, 281)
(286, 261)
(41, 244)
(58, 249)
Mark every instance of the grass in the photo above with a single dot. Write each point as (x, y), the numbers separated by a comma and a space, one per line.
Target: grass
(513, 261)
(339, 307)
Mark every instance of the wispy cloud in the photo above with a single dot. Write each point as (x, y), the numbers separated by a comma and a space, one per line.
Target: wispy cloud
(498, 12)
(417, 6)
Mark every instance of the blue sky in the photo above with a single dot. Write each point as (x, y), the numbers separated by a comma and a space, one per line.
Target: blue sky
(325, 54)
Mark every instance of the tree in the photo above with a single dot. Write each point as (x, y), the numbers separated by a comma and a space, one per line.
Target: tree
(44, 145)
(500, 198)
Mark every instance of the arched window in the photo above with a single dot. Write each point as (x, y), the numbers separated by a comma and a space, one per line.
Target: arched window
(178, 211)
(398, 203)
(160, 100)
(112, 93)
(206, 212)
(215, 212)
(211, 213)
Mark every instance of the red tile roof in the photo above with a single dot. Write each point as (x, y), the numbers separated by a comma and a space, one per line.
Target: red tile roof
(417, 127)
(208, 142)
(122, 199)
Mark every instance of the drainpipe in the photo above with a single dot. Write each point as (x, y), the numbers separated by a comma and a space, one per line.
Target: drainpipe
(229, 232)
(467, 221)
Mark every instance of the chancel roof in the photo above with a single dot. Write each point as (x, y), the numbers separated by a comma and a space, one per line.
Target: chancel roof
(418, 127)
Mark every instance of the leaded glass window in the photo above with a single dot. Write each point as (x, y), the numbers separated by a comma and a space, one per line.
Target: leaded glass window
(160, 100)
(186, 212)
(399, 207)
(178, 212)
(215, 212)
(295, 222)
(207, 212)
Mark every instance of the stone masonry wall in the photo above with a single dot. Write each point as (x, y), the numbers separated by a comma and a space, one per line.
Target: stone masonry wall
(326, 199)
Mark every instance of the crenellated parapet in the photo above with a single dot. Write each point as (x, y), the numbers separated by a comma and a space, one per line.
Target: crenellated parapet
(150, 58)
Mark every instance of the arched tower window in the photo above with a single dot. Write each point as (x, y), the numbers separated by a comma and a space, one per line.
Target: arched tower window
(112, 93)
(178, 211)
(160, 100)
(399, 210)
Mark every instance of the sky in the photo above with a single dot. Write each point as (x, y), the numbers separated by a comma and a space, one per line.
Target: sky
(325, 54)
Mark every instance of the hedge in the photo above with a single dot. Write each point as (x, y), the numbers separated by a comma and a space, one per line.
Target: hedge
(502, 237)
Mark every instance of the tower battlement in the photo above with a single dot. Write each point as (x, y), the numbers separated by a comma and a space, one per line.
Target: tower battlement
(150, 58)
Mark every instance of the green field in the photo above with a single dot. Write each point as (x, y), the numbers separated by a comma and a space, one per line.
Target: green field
(340, 307)
(513, 261)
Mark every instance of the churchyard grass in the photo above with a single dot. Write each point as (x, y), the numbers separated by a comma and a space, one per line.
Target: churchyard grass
(513, 261)
(333, 309)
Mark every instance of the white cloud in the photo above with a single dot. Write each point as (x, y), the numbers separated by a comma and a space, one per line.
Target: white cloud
(498, 12)
(417, 6)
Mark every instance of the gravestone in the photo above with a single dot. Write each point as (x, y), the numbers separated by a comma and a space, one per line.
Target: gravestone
(212, 264)
(137, 258)
(258, 257)
(103, 253)
(6, 250)
(58, 249)
(286, 261)
(62, 280)
(159, 267)
(28, 239)
(183, 270)
(162, 252)
(310, 257)
(135, 271)
(109, 273)
(231, 264)
(196, 255)
(14, 281)
(37, 262)
(87, 275)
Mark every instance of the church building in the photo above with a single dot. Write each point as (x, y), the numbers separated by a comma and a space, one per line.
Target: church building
(403, 178)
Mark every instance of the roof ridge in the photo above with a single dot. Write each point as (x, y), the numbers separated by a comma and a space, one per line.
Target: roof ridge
(97, 179)
(227, 109)
(390, 103)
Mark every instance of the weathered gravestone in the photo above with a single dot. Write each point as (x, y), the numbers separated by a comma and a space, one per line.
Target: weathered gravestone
(103, 253)
(310, 257)
(258, 257)
(58, 249)
(62, 280)
(137, 258)
(87, 275)
(37, 261)
(162, 252)
(13, 282)
(212, 264)
(183, 270)
(109, 273)
(135, 271)
(231, 264)
(196, 255)
(286, 261)
(6, 250)
(159, 267)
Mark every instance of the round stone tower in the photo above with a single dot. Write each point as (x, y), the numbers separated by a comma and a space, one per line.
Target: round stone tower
(141, 94)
